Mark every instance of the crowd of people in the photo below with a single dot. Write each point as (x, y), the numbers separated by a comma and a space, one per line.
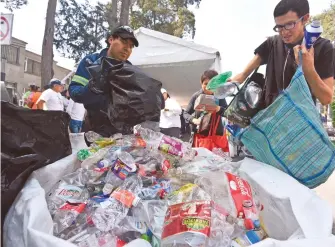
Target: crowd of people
(54, 97)
(279, 53)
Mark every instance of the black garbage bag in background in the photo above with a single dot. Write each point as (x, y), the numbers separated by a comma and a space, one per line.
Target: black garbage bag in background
(30, 139)
(133, 96)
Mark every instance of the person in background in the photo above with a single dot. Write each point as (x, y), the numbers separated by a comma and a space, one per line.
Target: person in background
(280, 54)
(77, 114)
(170, 116)
(52, 97)
(66, 98)
(193, 117)
(27, 94)
(36, 97)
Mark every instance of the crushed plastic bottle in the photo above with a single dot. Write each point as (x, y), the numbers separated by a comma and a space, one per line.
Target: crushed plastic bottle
(123, 164)
(92, 136)
(115, 209)
(66, 216)
(166, 144)
(63, 192)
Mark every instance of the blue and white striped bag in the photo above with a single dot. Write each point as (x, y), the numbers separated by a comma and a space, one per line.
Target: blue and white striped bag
(289, 136)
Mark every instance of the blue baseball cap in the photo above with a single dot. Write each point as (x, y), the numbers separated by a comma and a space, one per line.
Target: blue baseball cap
(55, 82)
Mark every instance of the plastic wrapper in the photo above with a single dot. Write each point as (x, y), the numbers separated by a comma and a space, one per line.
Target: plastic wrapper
(205, 103)
(196, 223)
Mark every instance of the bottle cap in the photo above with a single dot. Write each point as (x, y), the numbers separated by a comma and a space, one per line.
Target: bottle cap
(257, 223)
(316, 23)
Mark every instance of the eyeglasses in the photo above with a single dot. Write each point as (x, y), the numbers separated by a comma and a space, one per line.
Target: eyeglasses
(127, 28)
(287, 26)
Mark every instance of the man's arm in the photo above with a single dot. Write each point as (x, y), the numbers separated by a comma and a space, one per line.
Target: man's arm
(322, 89)
(78, 88)
(40, 104)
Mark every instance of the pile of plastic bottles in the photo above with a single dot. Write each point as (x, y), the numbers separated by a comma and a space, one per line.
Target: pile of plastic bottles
(153, 187)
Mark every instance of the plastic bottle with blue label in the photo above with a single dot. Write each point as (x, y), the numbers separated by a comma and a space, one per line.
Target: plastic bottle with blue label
(312, 32)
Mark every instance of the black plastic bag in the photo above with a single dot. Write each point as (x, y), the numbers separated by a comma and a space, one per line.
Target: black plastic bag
(243, 107)
(30, 139)
(133, 96)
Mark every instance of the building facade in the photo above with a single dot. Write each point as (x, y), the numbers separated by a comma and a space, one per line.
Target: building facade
(20, 67)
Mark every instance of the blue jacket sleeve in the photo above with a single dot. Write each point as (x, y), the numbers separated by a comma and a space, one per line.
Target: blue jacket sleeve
(78, 88)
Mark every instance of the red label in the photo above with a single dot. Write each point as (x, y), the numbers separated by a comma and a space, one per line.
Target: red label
(124, 196)
(140, 142)
(188, 217)
(79, 208)
(240, 191)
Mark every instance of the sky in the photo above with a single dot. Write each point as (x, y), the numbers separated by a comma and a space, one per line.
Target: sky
(234, 27)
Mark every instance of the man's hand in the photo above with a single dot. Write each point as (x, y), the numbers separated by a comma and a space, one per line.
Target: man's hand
(307, 58)
(196, 121)
(240, 78)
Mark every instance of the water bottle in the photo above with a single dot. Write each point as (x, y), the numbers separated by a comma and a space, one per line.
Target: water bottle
(112, 211)
(122, 166)
(312, 33)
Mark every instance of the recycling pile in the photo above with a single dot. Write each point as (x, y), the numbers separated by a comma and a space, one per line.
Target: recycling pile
(156, 188)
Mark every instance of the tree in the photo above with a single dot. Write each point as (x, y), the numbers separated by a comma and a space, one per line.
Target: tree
(80, 28)
(47, 46)
(124, 16)
(15, 4)
(328, 22)
(168, 16)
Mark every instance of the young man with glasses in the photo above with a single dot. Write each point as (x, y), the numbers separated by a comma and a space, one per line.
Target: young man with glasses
(280, 54)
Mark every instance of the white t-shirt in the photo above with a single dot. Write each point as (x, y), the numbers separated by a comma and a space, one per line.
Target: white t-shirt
(53, 100)
(170, 118)
(76, 110)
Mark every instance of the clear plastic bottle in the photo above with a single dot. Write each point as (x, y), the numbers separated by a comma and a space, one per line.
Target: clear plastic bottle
(166, 144)
(122, 166)
(116, 208)
(66, 216)
(226, 90)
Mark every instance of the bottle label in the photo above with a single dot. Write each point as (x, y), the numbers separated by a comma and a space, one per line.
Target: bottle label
(66, 192)
(240, 191)
(120, 169)
(192, 217)
(171, 146)
(77, 207)
(125, 197)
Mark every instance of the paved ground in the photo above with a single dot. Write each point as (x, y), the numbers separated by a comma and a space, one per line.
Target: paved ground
(327, 192)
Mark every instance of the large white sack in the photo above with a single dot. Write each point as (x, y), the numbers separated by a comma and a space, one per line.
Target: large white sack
(292, 212)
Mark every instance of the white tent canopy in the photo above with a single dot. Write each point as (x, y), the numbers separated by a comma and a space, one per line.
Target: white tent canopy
(177, 63)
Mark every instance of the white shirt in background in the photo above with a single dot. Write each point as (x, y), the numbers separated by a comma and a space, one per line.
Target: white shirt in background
(170, 118)
(76, 110)
(53, 100)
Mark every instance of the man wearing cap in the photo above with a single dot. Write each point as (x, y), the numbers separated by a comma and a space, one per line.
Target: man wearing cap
(120, 44)
(51, 97)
